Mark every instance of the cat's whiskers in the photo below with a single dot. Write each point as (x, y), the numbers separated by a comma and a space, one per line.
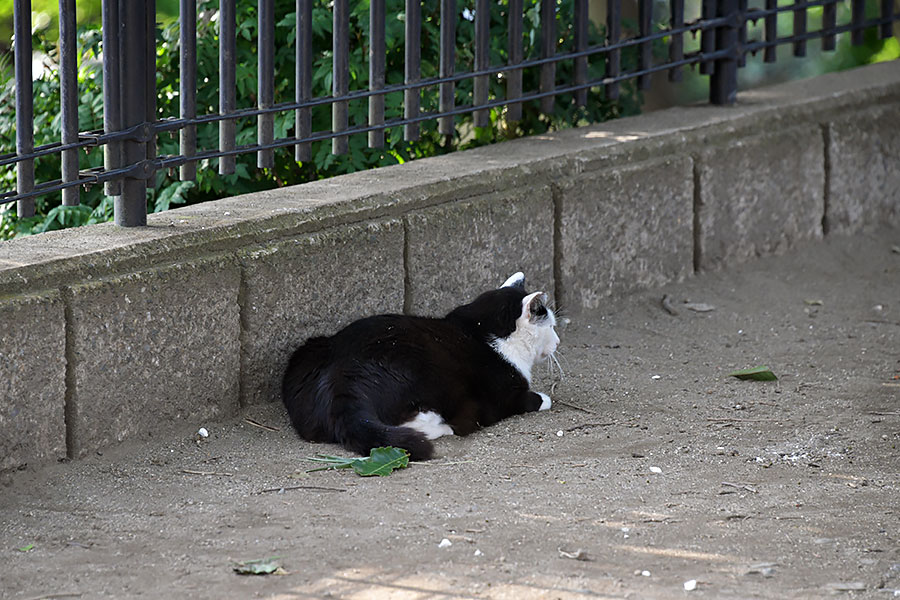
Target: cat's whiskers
(555, 361)
(560, 355)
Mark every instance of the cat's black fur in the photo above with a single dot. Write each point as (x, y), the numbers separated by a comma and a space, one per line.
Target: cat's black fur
(358, 386)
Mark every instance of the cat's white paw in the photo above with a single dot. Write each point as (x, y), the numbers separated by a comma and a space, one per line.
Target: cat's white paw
(431, 424)
(546, 403)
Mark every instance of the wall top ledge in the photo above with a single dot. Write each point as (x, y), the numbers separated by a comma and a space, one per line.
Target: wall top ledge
(59, 258)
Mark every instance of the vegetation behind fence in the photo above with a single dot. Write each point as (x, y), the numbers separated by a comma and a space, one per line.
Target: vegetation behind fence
(607, 64)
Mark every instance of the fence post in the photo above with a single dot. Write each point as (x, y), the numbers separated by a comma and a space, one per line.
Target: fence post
(134, 69)
(723, 83)
(24, 105)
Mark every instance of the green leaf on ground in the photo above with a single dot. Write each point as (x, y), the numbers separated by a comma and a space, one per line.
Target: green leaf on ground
(756, 374)
(381, 462)
(260, 566)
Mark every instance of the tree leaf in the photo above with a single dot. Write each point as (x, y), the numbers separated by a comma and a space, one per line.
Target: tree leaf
(260, 566)
(331, 462)
(760, 373)
(381, 461)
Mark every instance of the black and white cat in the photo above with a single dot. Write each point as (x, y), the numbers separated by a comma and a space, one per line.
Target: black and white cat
(396, 380)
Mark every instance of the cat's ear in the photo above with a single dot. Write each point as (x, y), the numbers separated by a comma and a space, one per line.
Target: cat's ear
(534, 306)
(516, 280)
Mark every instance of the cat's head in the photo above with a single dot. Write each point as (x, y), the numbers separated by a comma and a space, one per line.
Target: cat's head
(518, 324)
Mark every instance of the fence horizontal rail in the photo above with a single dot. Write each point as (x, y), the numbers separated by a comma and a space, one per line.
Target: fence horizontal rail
(131, 125)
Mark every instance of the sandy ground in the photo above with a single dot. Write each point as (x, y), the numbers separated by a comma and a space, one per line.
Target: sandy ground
(653, 465)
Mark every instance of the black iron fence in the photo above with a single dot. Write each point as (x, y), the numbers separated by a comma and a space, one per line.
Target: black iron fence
(131, 126)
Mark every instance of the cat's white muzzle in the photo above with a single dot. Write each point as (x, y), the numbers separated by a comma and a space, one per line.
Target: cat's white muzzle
(551, 343)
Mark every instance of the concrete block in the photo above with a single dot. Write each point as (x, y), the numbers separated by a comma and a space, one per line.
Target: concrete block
(456, 251)
(759, 195)
(32, 380)
(623, 229)
(864, 170)
(153, 349)
(313, 285)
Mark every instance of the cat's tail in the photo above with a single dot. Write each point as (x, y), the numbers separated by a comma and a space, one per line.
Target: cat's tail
(362, 431)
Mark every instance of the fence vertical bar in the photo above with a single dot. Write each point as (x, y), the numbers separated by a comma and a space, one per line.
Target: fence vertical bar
(613, 57)
(548, 49)
(581, 42)
(829, 20)
(68, 91)
(412, 67)
(887, 10)
(303, 81)
(187, 87)
(857, 18)
(515, 52)
(800, 30)
(340, 73)
(24, 105)
(771, 26)
(447, 100)
(377, 71)
(112, 106)
(707, 36)
(150, 76)
(130, 208)
(645, 49)
(723, 82)
(481, 117)
(227, 79)
(676, 45)
(265, 78)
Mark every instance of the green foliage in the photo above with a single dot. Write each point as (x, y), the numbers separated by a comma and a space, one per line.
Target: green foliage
(761, 373)
(260, 566)
(169, 191)
(381, 462)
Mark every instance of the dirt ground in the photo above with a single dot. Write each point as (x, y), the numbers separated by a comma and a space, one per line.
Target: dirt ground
(653, 465)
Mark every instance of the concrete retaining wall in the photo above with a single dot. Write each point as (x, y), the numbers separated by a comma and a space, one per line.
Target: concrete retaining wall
(107, 333)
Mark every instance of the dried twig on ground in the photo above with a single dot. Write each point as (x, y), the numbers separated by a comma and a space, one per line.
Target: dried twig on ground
(576, 407)
(741, 486)
(318, 488)
(586, 425)
(667, 305)
(250, 421)
(193, 472)
(735, 420)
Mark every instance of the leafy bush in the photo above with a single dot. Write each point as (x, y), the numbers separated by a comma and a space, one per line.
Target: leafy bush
(168, 191)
